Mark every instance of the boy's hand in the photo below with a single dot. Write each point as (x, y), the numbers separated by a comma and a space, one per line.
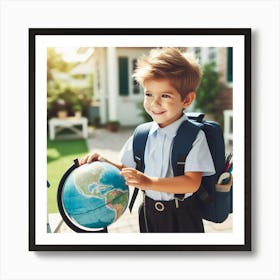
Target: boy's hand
(136, 178)
(90, 158)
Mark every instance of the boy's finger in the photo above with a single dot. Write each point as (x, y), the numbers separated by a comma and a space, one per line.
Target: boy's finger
(83, 160)
(127, 173)
(92, 157)
(127, 169)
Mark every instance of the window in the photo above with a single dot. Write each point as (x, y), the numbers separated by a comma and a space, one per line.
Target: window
(127, 84)
(135, 85)
(229, 64)
(123, 76)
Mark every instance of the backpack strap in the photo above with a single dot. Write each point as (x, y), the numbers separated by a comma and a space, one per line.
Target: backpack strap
(186, 135)
(139, 143)
(181, 147)
(183, 141)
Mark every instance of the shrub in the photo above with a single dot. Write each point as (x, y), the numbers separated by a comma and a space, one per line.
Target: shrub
(207, 99)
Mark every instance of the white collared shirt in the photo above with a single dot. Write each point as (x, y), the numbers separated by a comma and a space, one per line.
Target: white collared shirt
(158, 156)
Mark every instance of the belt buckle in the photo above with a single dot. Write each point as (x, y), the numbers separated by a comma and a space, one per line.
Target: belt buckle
(159, 206)
(177, 199)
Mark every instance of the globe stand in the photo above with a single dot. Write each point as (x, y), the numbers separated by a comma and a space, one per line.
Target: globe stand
(61, 208)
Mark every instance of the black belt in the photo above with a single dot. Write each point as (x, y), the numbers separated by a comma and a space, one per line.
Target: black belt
(161, 205)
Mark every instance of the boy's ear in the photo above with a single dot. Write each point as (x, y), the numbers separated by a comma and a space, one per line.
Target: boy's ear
(189, 99)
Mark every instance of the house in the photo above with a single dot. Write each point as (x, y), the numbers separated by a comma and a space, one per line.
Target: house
(117, 96)
(115, 92)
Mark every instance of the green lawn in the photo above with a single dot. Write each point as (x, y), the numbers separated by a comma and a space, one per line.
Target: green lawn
(60, 156)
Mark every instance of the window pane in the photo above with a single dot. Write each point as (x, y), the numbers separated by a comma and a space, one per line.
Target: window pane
(135, 85)
(229, 64)
(123, 76)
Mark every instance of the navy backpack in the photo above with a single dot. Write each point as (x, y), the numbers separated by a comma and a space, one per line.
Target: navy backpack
(214, 202)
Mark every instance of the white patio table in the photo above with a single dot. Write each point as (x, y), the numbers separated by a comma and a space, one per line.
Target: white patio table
(56, 125)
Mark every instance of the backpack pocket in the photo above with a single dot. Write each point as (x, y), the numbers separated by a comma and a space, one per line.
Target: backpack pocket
(225, 187)
(223, 200)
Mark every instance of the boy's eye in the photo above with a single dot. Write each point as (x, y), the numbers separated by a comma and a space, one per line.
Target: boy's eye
(166, 96)
(148, 94)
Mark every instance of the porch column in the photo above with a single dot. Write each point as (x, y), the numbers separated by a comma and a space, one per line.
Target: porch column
(104, 85)
(112, 66)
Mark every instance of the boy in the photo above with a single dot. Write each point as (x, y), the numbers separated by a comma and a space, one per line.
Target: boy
(170, 80)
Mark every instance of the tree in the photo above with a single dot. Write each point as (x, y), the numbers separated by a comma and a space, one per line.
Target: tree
(59, 92)
(207, 99)
(56, 61)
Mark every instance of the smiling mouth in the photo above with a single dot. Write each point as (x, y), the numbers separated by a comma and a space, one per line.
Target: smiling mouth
(158, 113)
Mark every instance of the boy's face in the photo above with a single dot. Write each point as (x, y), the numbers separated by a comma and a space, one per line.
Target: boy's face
(163, 102)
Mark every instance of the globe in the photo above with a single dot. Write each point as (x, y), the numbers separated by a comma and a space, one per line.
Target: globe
(93, 196)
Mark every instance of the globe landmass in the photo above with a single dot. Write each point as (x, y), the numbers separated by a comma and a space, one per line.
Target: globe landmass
(117, 201)
(86, 179)
(95, 195)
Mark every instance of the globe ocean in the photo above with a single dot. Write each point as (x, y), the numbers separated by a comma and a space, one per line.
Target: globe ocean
(95, 195)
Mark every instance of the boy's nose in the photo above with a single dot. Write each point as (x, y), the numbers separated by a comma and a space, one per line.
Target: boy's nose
(156, 102)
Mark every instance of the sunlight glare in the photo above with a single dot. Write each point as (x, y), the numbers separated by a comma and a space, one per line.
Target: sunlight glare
(71, 54)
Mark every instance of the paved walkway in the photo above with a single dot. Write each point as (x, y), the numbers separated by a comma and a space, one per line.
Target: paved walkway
(109, 144)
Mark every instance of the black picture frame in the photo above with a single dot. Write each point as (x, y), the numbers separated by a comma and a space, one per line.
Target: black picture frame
(243, 34)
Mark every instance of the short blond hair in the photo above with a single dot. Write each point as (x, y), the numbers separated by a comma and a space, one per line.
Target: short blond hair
(181, 69)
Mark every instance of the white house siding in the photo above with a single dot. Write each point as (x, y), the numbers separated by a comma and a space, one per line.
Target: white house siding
(113, 105)
(100, 83)
(112, 86)
(128, 106)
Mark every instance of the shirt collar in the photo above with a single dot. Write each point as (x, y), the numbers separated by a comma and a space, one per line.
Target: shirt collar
(170, 130)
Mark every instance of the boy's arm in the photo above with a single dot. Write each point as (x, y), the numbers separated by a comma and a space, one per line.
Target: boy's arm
(126, 156)
(187, 183)
(97, 157)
